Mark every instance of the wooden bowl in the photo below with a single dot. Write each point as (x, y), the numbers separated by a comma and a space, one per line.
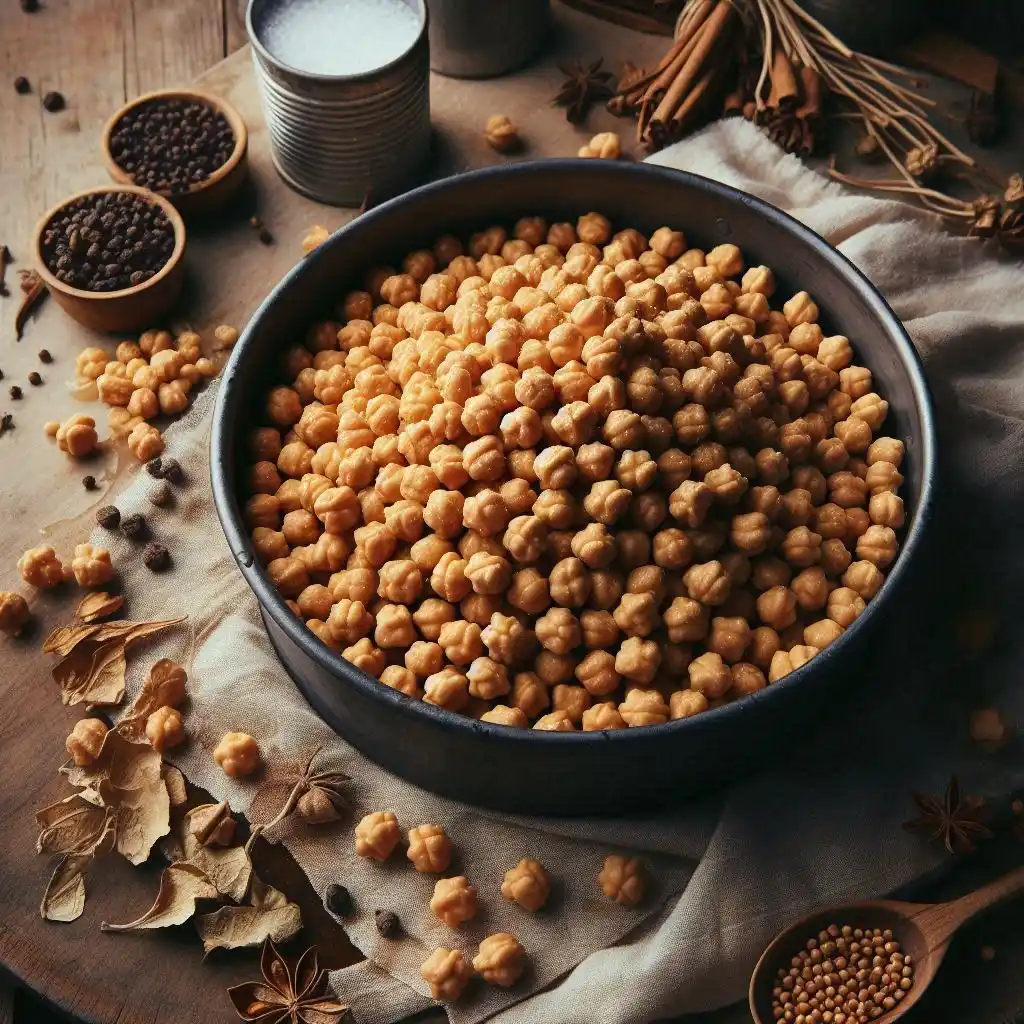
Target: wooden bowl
(130, 309)
(205, 196)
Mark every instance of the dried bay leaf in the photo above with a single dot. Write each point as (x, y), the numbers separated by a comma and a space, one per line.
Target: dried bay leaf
(64, 639)
(98, 605)
(64, 898)
(270, 916)
(70, 826)
(181, 886)
(95, 659)
(228, 868)
(129, 779)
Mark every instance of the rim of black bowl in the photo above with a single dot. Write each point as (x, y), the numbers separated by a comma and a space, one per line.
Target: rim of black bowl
(226, 423)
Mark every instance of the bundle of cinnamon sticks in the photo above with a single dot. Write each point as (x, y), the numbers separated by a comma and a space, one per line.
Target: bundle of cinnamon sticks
(706, 74)
(681, 92)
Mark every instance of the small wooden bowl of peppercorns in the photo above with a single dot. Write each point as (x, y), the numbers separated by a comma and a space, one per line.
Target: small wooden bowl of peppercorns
(111, 257)
(187, 146)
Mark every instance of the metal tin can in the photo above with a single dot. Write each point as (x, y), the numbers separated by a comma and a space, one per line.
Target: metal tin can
(470, 39)
(337, 137)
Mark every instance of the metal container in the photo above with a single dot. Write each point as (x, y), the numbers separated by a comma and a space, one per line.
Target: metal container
(581, 772)
(470, 39)
(336, 137)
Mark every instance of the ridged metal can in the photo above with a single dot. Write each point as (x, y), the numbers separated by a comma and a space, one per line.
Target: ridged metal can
(470, 39)
(337, 137)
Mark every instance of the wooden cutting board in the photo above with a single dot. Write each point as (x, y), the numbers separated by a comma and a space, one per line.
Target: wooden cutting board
(139, 978)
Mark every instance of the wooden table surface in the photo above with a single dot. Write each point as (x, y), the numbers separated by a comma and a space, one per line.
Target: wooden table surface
(99, 53)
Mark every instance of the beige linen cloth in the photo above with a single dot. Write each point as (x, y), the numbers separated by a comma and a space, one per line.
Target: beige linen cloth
(727, 871)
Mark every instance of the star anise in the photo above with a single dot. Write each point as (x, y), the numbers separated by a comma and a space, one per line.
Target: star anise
(318, 796)
(956, 820)
(582, 88)
(288, 994)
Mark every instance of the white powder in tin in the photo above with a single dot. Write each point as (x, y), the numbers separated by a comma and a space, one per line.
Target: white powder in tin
(338, 37)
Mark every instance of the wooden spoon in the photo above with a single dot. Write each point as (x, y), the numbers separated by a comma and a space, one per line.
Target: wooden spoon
(923, 930)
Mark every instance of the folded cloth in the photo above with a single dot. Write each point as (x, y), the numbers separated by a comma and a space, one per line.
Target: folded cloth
(730, 870)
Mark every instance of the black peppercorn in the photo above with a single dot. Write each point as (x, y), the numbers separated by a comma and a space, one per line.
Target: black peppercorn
(109, 517)
(85, 243)
(6, 423)
(160, 495)
(34, 379)
(266, 237)
(21, 86)
(134, 527)
(170, 145)
(30, 6)
(15, 392)
(338, 900)
(53, 102)
(89, 482)
(44, 356)
(156, 557)
(155, 467)
(171, 470)
(387, 924)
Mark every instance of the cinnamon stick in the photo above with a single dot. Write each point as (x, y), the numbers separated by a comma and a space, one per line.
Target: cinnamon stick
(784, 89)
(810, 82)
(674, 60)
(697, 93)
(711, 31)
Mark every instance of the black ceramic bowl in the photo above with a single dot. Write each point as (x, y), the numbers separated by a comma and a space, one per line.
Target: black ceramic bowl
(570, 773)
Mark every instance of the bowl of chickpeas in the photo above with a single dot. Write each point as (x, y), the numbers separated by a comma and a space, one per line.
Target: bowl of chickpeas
(572, 487)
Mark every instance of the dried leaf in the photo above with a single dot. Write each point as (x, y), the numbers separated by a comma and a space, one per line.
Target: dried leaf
(177, 791)
(211, 824)
(229, 869)
(151, 696)
(63, 639)
(93, 673)
(271, 916)
(64, 899)
(99, 605)
(129, 779)
(181, 885)
(70, 826)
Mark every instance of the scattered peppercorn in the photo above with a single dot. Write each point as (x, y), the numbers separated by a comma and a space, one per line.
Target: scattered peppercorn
(156, 557)
(859, 973)
(15, 392)
(387, 924)
(21, 85)
(134, 527)
(89, 482)
(53, 102)
(155, 467)
(30, 6)
(160, 495)
(109, 517)
(266, 237)
(44, 356)
(170, 145)
(338, 900)
(6, 423)
(34, 379)
(107, 241)
(171, 470)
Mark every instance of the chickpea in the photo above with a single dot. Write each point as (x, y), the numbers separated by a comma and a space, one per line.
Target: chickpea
(238, 754)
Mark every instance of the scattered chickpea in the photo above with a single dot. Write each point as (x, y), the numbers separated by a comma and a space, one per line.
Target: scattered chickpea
(40, 567)
(91, 566)
(430, 849)
(238, 754)
(377, 835)
(622, 879)
(603, 146)
(454, 901)
(527, 884)
(316, 236)
(165, 728)
(447, 972)
(501, 134)
(990, 729)
(77, 436)
(500, 960)
(86, 740)
(14, 613)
